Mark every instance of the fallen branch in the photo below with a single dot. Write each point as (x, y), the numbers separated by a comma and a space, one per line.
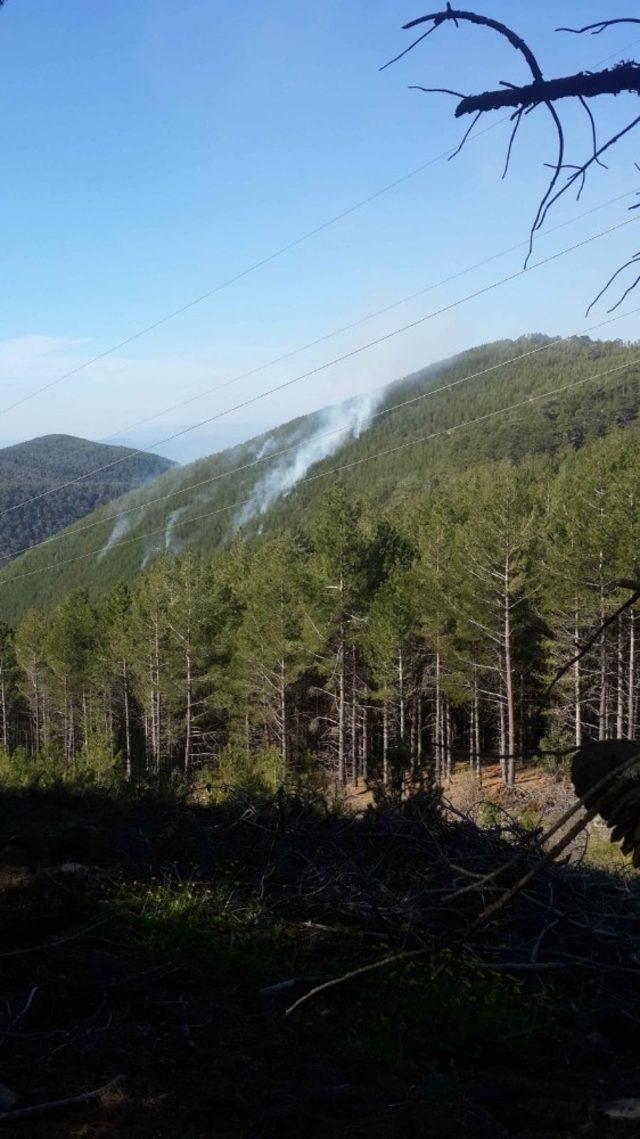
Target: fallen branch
(59, 1104)
(494, 907)
(71, 936)
(335, 981)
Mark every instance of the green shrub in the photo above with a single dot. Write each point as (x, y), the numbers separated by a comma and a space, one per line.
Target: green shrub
(489, 814)
(95, 766)
(256, 773)
(18, 769)
(529, 820)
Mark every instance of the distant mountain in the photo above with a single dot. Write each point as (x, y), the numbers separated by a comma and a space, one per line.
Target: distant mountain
(194, 445)
(384, 447)
(29, 471)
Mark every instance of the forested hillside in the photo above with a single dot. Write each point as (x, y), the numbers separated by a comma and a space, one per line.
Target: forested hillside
(406, 613)
(32, 470)
(260, 486)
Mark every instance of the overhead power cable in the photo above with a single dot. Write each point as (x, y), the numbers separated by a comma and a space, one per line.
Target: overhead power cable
(119, 432)
(266, 260)
(239, 276)
(616, 54)
(349, 355)
(445, 431)
(258, 462)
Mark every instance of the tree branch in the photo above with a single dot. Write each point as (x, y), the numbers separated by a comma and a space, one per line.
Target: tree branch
(624, 78)
(600, 26)
(584, 85)
(514, 39)
(21, 1113)
(635, 596)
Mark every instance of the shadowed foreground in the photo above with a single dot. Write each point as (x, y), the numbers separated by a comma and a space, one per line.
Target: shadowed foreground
(163, 941)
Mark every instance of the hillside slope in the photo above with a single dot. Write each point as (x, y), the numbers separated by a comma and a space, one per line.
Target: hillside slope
(30, 470)
(256, 486)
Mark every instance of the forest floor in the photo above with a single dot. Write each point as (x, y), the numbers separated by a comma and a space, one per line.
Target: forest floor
(162, 942)
(464, 786)
(538, 797)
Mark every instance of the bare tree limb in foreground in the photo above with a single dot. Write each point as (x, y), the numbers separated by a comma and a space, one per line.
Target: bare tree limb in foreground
(624, 78)
(21, 1113)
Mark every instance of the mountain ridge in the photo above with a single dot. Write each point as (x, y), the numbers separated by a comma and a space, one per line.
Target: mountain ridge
(265, 483)
(36, 499)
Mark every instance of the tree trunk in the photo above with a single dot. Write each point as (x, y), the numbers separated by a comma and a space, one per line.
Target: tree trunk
(3, 706)
(503, 741)
(631, 679)
(476, 726)
(603, 706)
(354, 718)
(157, 703)
(620, 683)
(127, 720)
(385, 744)
(508, 678)
(72, 733)
(85, 718)
(419, 730)
(188, 716)
(36, 713)
(438, 721)
(341, 662)
(401, 694)
(449, 740)
(577, 688)
(365, 742)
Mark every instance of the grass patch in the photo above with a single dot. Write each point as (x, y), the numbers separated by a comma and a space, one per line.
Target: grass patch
(210, 927)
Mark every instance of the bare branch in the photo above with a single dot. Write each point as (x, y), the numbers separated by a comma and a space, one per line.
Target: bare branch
(518, 120)
(632, 261)
(514, 39)
(58, 1104)
(524, 98)
(465, 137)
(437, 91)
(584, 649)
(586, 85)
(594, 136)
(581, 170)
(408, 49)
(600, 26)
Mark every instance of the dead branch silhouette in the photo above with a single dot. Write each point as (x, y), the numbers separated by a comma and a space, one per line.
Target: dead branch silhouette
(524, 98)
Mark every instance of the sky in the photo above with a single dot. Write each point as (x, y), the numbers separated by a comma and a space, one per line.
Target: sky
(152, 151)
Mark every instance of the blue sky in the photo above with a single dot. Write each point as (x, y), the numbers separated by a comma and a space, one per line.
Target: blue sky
(151, 150)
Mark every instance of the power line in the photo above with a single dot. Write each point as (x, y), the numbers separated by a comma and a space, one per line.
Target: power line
(252, 268)
(448, 431)
(616, 54)
(336, 360)
(68, 533)
(361, 320)
(263, 261)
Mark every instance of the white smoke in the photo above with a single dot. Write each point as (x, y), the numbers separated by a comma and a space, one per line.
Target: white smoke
(333, 428)
(174, 542)
(268, 445)
(151, 553)
(122, 527)
(170, 540)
